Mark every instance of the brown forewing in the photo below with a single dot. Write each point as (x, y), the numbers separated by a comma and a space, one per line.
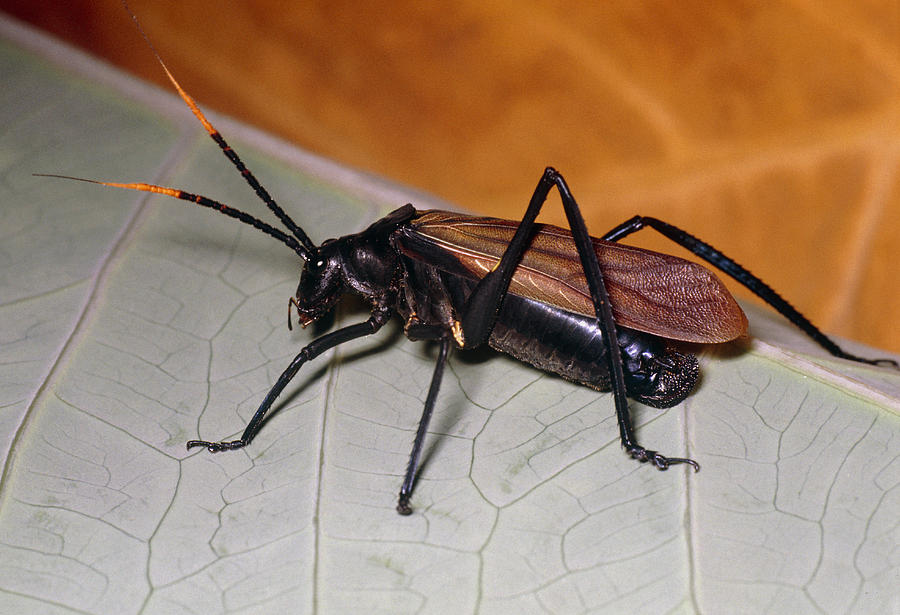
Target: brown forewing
(649, 291)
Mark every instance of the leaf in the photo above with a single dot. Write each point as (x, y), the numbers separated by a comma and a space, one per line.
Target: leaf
(132, 324)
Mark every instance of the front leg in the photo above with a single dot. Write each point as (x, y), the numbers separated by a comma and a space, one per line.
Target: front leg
(308, 353)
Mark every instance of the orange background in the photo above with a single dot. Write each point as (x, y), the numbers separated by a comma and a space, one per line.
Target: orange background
(769, 130)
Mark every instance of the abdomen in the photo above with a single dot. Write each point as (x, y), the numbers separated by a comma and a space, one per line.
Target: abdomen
(550, 338)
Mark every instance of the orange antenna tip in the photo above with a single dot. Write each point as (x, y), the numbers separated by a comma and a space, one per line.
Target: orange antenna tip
(139, 186)
(188, 100)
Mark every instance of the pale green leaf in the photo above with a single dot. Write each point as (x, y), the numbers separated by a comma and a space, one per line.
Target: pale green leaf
(131, 324)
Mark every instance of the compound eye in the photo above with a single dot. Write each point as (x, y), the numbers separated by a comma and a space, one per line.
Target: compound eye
(315, 266)
(318, 261)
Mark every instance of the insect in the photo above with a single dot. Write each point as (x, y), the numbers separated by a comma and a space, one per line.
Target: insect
(602, 314)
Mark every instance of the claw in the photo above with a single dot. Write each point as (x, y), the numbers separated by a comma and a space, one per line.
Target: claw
(403, 506)
(885, 363)
(660, 461)
(216, 447)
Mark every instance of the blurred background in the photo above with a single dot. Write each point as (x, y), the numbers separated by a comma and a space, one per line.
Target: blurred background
(768, 129)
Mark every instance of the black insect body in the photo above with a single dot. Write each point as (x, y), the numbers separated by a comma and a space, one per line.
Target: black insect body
(593, 311)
